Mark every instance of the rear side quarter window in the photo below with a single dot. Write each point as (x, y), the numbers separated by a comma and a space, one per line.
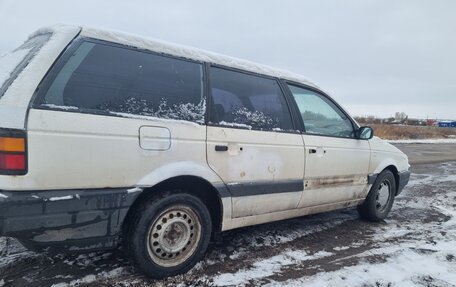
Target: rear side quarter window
(115, 80)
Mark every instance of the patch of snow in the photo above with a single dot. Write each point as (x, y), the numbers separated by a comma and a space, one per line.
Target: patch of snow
(133, 190)
(423, 141)
(67, 197)
(65, 108)
(255, 119)
(341, 248)
(235, 125)
(2, 283)
(403, 269)
(267, 267)
(183, 111)
(450, 213)
(3, 196)
(91, 278)
(299, 255)
(151, 118)
(9, 62)
(446, 175)
(85, 280)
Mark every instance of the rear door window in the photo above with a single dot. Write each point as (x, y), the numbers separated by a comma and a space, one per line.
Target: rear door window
(104, 78)
(248, 101)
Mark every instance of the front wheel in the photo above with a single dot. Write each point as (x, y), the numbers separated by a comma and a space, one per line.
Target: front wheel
(167, 235)
(380, 198)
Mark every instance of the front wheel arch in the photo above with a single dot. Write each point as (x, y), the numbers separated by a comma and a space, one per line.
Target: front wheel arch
(375, 207)
(395, 172)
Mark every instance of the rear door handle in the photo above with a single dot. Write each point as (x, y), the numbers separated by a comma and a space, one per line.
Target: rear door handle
(221, 148)
(318, 151)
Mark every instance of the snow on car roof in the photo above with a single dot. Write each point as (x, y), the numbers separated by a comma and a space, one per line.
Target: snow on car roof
(164, 47)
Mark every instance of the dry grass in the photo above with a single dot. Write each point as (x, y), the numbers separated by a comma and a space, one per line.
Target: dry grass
(398, 132)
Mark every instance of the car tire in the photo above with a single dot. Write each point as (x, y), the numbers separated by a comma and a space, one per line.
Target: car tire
(168, 234)
(380, 199)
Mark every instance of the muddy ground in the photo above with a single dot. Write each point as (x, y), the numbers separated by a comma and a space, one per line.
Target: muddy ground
(415, 246)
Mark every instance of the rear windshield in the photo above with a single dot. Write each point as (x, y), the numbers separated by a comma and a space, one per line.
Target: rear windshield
(12, 64)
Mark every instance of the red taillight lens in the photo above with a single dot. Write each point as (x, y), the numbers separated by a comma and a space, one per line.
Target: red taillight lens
(12, 161)
(13, 154)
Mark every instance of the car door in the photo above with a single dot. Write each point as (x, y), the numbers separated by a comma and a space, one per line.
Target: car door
(252, 143)
(336, 166)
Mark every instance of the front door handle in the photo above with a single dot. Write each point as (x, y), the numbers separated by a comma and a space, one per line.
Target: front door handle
(221, 148)
(312, 150)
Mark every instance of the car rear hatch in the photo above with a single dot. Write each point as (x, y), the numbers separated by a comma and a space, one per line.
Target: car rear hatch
(22, 70)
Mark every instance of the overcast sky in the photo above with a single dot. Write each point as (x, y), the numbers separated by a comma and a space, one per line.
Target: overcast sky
(373, 57)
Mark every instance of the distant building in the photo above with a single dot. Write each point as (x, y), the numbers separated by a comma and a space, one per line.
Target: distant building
(447, 124)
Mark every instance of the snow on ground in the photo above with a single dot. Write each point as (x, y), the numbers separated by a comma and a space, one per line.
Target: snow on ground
(410, 262)
(267, 267)
(423, 141)
(403, 268)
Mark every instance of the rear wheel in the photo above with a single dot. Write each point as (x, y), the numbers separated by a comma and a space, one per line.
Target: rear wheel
(167, 235)
(380, 199)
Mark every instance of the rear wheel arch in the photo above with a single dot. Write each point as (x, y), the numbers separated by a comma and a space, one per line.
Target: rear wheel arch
(194, 185)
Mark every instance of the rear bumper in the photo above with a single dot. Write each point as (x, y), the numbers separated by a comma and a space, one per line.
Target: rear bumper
(65, 219)
(404, 178)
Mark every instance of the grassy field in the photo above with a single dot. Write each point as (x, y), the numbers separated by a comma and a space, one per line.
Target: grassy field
(398, 132)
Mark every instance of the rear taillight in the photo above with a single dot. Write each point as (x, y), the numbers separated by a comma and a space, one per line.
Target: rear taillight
(13, 153)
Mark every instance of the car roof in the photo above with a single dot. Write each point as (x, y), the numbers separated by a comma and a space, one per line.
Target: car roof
(190, 53)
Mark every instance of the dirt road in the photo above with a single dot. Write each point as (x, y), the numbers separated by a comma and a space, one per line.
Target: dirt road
(429, 153)
(415, 246)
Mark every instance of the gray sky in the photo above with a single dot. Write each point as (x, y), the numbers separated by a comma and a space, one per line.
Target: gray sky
(373, 57)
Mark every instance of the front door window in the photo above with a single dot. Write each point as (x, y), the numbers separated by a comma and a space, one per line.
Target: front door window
(320, 115)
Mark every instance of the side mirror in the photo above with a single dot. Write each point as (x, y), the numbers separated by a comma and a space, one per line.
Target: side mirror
(365, 133)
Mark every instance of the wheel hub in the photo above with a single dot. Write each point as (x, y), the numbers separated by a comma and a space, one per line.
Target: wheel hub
(174, 236)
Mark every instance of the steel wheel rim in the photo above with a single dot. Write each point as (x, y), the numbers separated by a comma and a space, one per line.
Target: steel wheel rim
(174, 236)
(383, 195)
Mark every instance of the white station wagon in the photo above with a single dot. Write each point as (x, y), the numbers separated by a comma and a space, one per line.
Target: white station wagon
(109, 139)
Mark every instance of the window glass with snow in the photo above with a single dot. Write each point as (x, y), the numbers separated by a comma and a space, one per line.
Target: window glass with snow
(121, 81)
(247, 101)
(320, 115)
